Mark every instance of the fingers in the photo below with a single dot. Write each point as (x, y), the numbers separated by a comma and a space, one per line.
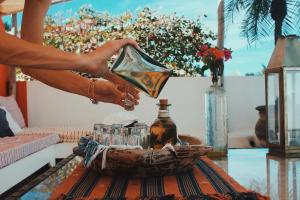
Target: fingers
(120, 101)
(110, 48)
(122, 85)
(127, 41)
(131, 99)
(130, 90)
(96, 62)
(127, 101)
(118, 44)
(108, 92)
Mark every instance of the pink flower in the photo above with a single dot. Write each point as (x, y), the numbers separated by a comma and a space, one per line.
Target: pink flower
(227, 54)
(199, 54)
(203, 52)
(204, 47)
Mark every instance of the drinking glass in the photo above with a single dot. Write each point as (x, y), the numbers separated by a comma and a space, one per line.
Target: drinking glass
(102, 134)
(128, 104)
(143, 130)
(117, 135)
(96, 131)
(132, 136)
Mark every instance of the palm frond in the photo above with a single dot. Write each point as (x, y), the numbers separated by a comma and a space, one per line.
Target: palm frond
(257, 22)
(293, 16)
(297, 19)
(288, 26)
(232, 7)
(265, 27)
(291, 22)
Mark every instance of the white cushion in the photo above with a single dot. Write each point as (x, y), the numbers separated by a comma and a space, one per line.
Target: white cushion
(66, 133)
(13, 125)
(12, 107)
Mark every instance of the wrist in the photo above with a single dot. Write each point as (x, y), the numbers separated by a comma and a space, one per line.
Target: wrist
(83, 62)
(88, 64)
(108, 76)
(91, 91)
(87, 88)
(81, 84)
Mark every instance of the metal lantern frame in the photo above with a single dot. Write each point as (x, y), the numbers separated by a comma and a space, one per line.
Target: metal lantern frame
(282, 176)
(279, 67)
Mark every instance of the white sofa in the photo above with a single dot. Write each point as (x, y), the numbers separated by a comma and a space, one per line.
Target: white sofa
(22, 155)
(21, 169)
(15, 172)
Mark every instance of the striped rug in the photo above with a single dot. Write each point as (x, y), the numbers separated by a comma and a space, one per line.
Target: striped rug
(207, 181)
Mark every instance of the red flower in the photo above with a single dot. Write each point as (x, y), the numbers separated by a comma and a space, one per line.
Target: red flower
(204, 47)
(227, 54)
(199, 54)
(211, 57)
(217, 53)
(211, 54)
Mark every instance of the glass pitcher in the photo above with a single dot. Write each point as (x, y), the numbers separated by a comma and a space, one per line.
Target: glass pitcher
(141, 71)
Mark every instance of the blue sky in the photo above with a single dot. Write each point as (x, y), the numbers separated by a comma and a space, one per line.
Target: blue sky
(245, 58)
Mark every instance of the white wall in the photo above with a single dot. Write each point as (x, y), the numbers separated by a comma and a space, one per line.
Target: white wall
(51, 107)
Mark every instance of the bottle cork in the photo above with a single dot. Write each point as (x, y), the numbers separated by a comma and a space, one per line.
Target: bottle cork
(163, 103)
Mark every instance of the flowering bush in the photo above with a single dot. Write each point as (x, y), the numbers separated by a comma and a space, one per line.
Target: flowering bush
(170, 39)
(213, 58)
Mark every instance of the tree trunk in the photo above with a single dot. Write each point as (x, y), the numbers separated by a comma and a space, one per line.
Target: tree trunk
(278, 12)
(12, 70)
(220, 24)
(278, 30)
(221, 34)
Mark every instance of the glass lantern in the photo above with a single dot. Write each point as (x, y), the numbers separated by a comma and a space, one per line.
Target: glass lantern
(282, 80)
(283, 178)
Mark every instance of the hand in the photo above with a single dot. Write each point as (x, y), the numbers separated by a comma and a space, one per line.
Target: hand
(97, 60)
(108, 92)
(123, 85)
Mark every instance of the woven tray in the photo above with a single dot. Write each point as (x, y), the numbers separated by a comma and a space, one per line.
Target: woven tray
(144, 163)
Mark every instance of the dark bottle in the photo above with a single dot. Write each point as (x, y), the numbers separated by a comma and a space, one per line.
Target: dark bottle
(163, 130)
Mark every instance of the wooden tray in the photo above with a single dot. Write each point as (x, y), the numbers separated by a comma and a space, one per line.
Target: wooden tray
(144, 163)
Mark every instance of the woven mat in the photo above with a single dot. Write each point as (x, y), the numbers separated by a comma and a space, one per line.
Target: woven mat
(207, 181)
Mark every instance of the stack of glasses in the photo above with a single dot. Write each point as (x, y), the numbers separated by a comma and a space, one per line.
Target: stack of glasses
(117, 134)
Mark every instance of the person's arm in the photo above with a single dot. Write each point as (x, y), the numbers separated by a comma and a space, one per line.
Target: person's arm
(32, 31)
(18, 52)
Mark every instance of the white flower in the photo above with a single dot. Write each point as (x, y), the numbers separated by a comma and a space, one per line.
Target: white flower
(181, 72)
